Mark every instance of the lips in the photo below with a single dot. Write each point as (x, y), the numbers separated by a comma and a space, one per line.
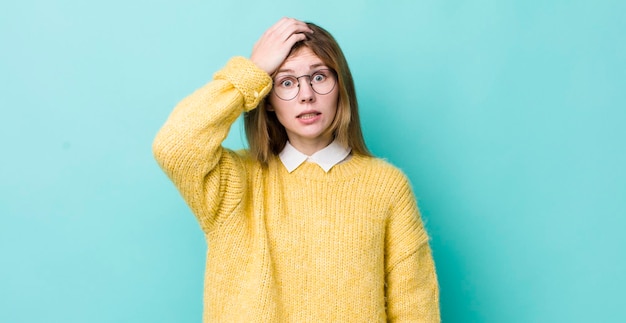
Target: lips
(308, 115)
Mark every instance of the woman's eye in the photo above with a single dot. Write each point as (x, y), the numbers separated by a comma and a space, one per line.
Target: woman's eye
(287, 83)
(319, 77)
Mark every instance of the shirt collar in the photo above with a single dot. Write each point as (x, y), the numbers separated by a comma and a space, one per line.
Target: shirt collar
(326, 158)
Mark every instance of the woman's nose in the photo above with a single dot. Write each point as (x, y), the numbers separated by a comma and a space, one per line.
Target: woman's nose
(306, 92)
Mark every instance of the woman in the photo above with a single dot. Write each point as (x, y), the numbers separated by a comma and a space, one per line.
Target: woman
(305, 225)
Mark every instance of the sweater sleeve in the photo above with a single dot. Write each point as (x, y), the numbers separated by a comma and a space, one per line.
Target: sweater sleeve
(188, 148)
(412, 291)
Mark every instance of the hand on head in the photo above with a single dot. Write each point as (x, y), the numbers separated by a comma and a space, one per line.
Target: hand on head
(272, 48)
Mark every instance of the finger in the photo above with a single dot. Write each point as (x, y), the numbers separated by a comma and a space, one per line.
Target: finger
(287, 22)
(294, 38)
(280, 27)
(289, 26)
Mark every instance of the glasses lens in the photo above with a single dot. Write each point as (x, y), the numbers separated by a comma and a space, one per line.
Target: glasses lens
(323, 81)
(286, 87)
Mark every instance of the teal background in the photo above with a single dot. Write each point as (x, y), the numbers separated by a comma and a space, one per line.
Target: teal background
(508, 117)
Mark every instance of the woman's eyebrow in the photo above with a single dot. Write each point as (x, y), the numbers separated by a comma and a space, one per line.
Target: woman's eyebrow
(287, 70)
(284, 71)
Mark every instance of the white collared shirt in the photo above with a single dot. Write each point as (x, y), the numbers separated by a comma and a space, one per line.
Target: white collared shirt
(326, 158)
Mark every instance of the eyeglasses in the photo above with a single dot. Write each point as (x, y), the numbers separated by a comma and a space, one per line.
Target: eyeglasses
(287, 87)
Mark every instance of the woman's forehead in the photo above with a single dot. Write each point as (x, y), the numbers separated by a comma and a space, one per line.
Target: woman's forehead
(301, 60)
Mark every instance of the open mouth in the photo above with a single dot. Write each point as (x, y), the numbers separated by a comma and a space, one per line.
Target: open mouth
(309, 115)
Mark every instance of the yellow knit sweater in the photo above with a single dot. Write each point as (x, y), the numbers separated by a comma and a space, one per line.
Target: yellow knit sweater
(306, 246)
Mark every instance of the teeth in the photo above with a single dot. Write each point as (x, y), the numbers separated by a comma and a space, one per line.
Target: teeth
(308, 116)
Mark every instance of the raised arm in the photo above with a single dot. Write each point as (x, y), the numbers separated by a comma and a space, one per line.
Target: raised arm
(188, 148)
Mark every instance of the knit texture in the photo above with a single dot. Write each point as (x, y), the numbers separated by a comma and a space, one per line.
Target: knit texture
(306, 246)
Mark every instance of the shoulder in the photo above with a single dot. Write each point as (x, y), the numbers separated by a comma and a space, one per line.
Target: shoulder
(385, 168)
(386, 178)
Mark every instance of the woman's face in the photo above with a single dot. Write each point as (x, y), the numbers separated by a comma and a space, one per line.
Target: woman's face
(309, 114)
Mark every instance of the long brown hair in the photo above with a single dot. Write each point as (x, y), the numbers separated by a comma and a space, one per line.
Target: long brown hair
(266, 136)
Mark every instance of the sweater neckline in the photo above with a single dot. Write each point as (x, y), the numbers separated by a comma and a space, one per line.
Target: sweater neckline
(311, 171)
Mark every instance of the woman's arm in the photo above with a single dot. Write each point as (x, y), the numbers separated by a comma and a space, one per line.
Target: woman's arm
(188, 146)
(412, 291)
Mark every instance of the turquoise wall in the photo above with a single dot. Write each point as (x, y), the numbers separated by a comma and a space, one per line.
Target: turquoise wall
(508, 117)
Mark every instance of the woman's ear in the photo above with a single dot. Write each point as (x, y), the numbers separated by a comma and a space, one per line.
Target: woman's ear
(268, 106)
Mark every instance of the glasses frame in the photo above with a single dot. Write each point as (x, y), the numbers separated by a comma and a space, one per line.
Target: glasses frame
(332, 74)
